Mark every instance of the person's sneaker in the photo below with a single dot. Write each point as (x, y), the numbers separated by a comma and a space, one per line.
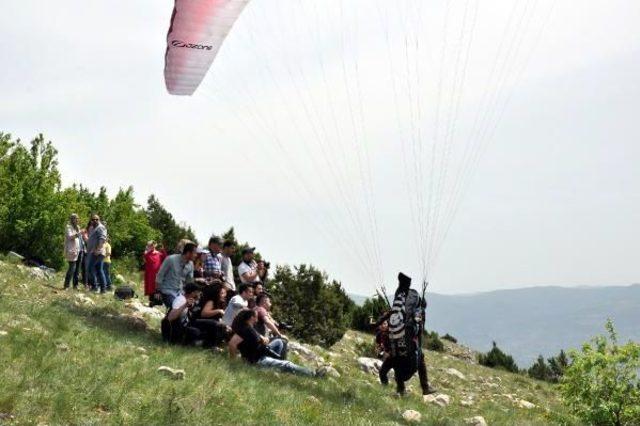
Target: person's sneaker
(430, 391)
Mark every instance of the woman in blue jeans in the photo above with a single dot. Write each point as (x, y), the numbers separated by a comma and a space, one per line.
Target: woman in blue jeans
(257, 349)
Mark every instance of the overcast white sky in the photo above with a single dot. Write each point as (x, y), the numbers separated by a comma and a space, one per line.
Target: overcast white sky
(266, 144)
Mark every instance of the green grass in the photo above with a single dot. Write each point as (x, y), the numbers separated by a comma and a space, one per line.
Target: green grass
(68, 363)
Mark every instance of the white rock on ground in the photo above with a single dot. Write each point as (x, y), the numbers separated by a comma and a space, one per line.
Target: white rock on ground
(525, 404)
(466, 402)
(439, 399)
(82, 299)
(175, 374)
(331, 372)
(476, 421)
(304, 352)
(456, 373)
(37, 273)
(312, 399)
(137, 306)
(3, 333)
(370, 365)
(412, 416)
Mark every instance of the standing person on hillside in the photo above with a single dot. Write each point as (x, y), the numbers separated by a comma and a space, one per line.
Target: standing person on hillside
(88, 278)
(175, 272)
(406, 323)
(228, 250)
(81, 265)
(72, 251)
(163, 251)
(213, 259)
(248, 269)
(107, 263)
(383, 347)
(95, 254)
(152, 262)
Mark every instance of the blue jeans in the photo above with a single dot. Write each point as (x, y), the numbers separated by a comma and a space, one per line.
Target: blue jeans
(168, 298)
(95, 270)
(89, 278)
(106, 267)
(279, 346)
(72, 274)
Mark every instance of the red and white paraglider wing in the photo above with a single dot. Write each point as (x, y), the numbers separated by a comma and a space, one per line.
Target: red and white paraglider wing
(198, 29)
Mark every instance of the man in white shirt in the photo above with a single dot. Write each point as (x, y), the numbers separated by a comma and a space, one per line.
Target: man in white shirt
(228, 250)
(237, 303)
(183, 303)
(249, 271)
(176, 326)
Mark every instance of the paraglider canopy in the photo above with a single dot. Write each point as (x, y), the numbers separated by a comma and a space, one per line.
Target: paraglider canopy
(198, 29)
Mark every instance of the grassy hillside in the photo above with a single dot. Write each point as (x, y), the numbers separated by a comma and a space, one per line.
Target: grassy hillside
(88, 359)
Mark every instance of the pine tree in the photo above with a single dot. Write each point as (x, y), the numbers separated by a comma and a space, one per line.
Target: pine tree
(540, 370)
(495, 358)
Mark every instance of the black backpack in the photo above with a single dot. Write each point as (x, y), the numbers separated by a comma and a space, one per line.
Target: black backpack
(124, 292)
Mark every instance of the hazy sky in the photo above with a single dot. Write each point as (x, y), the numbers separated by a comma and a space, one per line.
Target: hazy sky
(276, 141)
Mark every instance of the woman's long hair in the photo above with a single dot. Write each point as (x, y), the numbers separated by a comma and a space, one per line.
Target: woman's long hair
(212, 293)
(240, 321)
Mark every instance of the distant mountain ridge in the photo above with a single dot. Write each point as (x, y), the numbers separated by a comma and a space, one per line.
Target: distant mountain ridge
(536, 320)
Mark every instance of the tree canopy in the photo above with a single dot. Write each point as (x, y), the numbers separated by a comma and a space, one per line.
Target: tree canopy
(34, 207)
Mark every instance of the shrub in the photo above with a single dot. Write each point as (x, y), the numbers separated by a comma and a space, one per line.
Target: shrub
(601, 386)
(495, 358)
(371, 310)
(432, 341)
(558, 366)
(368, 348)
(450, 338)
(550, 370)
(540, 370)
(318, 309)
(34, 208)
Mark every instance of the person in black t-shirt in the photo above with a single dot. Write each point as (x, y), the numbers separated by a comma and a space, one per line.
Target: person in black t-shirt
(257, 349)
(213, 303)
